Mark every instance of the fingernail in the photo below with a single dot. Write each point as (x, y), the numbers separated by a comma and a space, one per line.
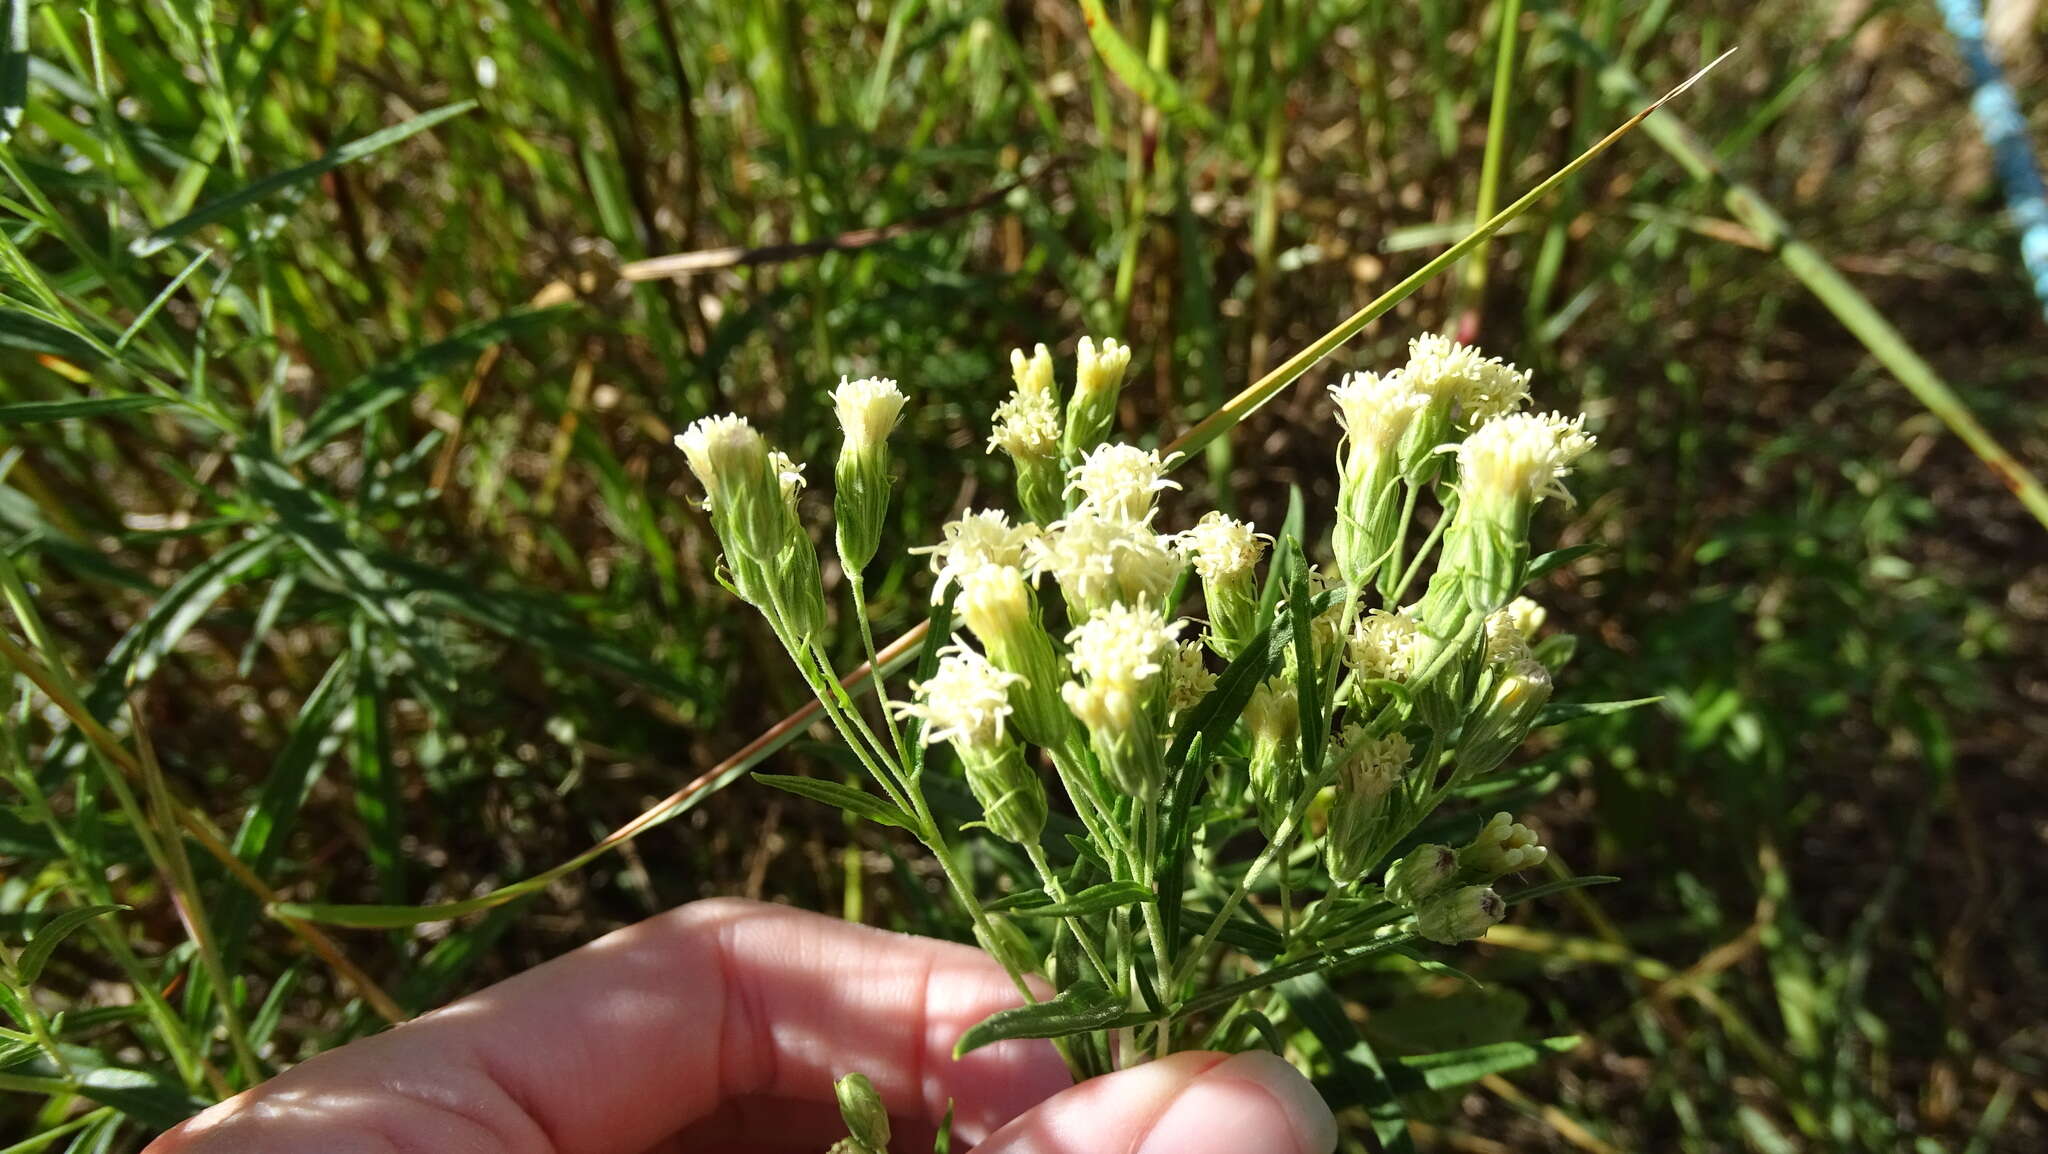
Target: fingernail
(1249, 1102)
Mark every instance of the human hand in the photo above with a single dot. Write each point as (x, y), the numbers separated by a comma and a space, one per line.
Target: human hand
(720, 1027)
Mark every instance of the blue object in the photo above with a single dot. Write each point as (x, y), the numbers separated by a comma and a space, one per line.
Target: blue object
(2005, 130)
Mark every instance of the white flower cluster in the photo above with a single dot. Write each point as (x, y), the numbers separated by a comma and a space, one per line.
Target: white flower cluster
(965, 701)
(867, 410)
(1099, 560)
(1221, 547)
(1119, 482)
(721, 451)
(983, 537)
(1117, 656)
(1522, 455)
(1483, 387)
(1376, 410)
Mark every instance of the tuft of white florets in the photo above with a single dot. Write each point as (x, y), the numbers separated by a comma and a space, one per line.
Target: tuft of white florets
(868, 410)
(983, 537)
(1369, 766)
(1522, 456)
(1385, 645)
(1118, 480)
(1027, 426)
(965, 701)
(1506, 644)
(1221, 547)
(1483, 387)
(722, 451)
(1101, 559)
(1122, 644)
(789, 473)
(1188, 680)
(1375, 410)
(1504, 846)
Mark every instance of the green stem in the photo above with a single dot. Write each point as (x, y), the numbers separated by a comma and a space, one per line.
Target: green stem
(1075, 925)
(867, 640)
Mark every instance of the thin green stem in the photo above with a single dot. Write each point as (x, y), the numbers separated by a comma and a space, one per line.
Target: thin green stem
(858, 586)
(1075, 925)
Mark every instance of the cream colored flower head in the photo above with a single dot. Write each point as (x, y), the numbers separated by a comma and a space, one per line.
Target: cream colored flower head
(965, 701)
(983, 537)
(1522, 456)
(1100, 559)
(1484, 387)
(1384, 645)
(1221, 547)
(1027, 426)
(1506, 644)
(1273, 712)
(1369, 765)
(1188, 679)
(722, 451)
(1119, 481)
(1033, 375)
(1376, 410)
(1122, 644)
(1528, 617)
(868, 410)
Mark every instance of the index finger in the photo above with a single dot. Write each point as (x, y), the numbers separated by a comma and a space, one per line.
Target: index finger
(630, 1039)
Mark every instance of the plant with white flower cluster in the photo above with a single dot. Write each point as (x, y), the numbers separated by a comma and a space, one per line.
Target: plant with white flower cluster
(1232, 730)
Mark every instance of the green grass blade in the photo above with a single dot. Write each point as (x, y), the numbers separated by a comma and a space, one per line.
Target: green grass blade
(34, 956)
(13, 66)
(249, 194)
(40, 412)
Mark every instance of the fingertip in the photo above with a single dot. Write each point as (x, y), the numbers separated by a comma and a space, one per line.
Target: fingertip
(1251, 1101)
(1186, 1103)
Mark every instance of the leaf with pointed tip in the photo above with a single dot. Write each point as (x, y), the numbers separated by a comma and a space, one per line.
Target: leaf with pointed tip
(1093, 900)
(1084, 1006)
(34, 956)
(832, 793)
(39, 412)
(1560, 712)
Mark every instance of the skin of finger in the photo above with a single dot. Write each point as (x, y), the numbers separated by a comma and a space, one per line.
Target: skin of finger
(615, 1047)
(1187, 1103)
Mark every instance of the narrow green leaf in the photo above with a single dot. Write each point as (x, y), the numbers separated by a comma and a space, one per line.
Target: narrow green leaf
(162, 298)
(1454, 1068)
(39, 412)
(833, 793)
(1558, 558)
(1085, 1005)
(31, 333)
(249, 194)
(1557, 713)
(36, 954)
(1093, 900)
(1557, 887)
(313, 740)
(1357, 1076)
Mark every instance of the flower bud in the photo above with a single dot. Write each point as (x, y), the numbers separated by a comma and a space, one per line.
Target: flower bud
(1368, 769)
(1272, 719)
(1098, 378)
(1117, 481)
(1503, 721)
(1013, 801)
(998, 607)
(867, 1120)
(1424, 873)
(1504, 846)
(1461, 915)
(741, 492)
(1376, 413)
(797, 587)
(1027, 427)
(868, 410)
(1119, 657)
(1225, 553)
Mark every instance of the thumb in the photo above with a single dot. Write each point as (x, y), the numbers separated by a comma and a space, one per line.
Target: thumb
(1189, 1103)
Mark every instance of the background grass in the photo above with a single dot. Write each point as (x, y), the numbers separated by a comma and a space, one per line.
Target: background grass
(404, 591)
